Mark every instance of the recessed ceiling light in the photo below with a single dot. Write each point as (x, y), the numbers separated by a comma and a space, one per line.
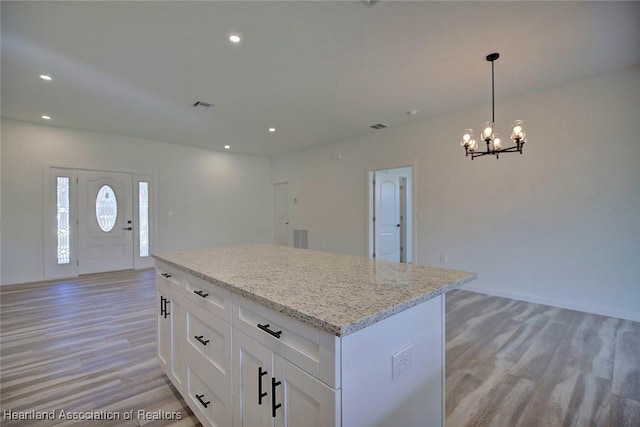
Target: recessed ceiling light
(272, 130)
(226, 147)
(46, 77)
(234, 38)
(45, 117)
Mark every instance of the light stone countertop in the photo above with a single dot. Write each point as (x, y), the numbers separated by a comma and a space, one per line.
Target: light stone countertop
(336, 293)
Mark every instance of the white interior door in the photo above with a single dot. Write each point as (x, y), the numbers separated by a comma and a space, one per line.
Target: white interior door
(105, 215)
(403, 219)
(281, 214)
(387, 213)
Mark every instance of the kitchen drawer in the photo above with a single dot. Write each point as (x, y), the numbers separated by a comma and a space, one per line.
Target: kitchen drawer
(211, 297)
(169, 276)
(213, 408)
(311, 349)
(209, 339)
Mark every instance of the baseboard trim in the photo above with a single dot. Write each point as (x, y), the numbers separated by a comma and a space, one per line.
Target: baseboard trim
(23, 280)
(43, 279)
(604, 311)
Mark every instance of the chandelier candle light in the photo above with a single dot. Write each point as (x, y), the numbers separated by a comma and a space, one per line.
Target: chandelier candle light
(488, 135)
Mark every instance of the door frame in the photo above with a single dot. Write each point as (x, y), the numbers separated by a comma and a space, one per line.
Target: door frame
(52, 270)
(273, 220)
(369, 233)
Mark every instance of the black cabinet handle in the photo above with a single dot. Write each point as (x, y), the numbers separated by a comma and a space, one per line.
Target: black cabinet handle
(274, 406)
(166, 302)
(199, 338)
(166, 275)
(199, 397)
(201, 293)
(269, 331)
(163, 306)
(261, 374)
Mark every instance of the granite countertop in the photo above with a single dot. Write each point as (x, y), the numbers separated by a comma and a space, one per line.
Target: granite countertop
(336, 293)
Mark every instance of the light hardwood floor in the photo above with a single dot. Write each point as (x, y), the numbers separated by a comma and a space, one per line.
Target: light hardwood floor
(88, 344)
(84, 345)
(511, 363)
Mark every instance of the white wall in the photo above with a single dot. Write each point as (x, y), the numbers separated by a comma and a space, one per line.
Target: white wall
(558, 225)
(217, 198)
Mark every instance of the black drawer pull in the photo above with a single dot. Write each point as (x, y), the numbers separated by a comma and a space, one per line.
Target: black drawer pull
(201, 293)
(274, 406)
(269, 331)
(261, 374)
(162, 307)
(166, 275)
(199, 338)
(199, 397)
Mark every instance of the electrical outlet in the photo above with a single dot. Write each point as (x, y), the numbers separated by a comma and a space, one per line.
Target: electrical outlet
(443, 258)
(401, 361)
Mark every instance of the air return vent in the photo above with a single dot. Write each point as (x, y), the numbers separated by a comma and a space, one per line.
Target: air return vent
(378, 126)
(202, 104)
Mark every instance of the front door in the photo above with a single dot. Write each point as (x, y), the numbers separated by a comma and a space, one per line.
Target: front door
(105, 221)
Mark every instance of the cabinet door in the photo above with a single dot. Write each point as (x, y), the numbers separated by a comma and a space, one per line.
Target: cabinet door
(178, 333)
(252, 374)
(171, 333)
(305, 400)
(164, 331)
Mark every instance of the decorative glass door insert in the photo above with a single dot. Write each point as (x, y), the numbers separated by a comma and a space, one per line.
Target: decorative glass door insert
(106, 208)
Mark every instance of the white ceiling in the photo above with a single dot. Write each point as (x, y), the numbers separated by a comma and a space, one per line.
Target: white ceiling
(317, 71)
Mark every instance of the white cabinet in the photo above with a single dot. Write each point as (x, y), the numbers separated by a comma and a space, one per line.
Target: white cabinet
(208, 354)
(252, 374)
(170, 327)
(207, 398)
(285, 372)
(208, 338)
(271, 391)
(238, 363)
(304, 400)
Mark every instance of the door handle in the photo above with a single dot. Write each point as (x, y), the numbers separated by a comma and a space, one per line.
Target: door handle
(128, 228)
(261, 394)
(274, 405)
(166, 302)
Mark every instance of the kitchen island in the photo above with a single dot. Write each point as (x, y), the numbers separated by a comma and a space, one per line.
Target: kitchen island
(270, 335)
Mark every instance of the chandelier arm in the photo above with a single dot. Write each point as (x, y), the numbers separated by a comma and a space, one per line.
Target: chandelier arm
(512, 149)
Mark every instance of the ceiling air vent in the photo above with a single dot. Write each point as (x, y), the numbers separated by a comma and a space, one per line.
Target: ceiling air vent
(378, 126)
(205, 105)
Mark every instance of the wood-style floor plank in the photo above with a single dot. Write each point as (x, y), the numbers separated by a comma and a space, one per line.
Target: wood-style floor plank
(89, 344)
(555, 368)
(85, 345)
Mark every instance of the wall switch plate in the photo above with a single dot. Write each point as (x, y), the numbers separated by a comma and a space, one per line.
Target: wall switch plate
(401, 361)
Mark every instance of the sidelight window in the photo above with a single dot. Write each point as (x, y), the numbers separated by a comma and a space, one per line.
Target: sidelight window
(62, 190)
(143, 217)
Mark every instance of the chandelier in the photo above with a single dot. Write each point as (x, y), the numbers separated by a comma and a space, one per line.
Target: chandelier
(488, 134)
